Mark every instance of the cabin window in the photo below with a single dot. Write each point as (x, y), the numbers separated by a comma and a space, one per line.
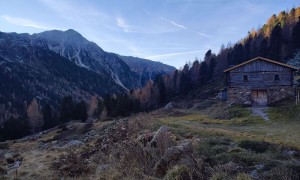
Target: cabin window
(276, 78)
(245, 78)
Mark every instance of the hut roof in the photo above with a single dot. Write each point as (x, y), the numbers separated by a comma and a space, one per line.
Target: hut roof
(263, 59)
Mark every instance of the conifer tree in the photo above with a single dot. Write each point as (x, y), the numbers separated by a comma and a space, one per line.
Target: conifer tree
(296, 36)
(276, 43)
(99, 108)
(66, 110)
(80, 111)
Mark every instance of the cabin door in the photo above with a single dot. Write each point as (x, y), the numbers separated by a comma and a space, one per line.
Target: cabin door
(259, 97)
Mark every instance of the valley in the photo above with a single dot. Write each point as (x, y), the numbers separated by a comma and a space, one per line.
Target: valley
(235, 147)
(72, 110)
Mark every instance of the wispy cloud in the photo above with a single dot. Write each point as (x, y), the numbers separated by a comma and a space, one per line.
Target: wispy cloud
(73, 11)
(123, 25)
(184, 27)
(173, 23)
(171, 54)
(25, 22)
(202, 34)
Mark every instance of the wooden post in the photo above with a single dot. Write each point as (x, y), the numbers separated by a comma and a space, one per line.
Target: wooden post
(298, 96)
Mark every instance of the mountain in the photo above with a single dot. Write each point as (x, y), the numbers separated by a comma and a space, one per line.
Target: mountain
(29, 71)
(146, 69)
(50, 65)
(73, 46)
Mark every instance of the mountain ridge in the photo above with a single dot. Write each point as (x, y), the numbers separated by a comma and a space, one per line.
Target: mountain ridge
(65, 60)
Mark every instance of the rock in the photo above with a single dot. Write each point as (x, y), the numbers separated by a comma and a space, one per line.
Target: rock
(3, 170)
(176, 155)
(145, 138)
(9, 155)
(73, 143)
(102, 168)
(12, 157)
(247, 103)
(186, 147)
(162, 139)
(169, 106)
(4, 145)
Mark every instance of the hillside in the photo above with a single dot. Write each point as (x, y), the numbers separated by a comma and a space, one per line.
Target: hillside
(278, 39)
(209, 140)
(152, 121)
(73, 46)
(50, 65)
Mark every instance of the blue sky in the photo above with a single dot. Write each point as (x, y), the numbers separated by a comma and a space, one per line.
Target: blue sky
(169, 31)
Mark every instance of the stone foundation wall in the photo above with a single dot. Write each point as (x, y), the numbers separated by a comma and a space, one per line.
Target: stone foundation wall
(241, 95)
(277, 93)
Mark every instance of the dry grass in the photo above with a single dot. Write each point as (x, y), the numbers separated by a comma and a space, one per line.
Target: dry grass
(35, 165)
(216, 138)
(238, 128)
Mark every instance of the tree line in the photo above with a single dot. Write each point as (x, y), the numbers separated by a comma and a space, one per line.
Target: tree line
(278, 39)
(36, 119)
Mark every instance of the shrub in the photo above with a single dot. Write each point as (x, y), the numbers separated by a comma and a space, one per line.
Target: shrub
(219, 149)
(238, 111)
(219, 141)
(256, 146)
(244, 158)
(220, 176)
(72, 165)
(284, 172)
(243, 176)
(178, 173)
(214, 146)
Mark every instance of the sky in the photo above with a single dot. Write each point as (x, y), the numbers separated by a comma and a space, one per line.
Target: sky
(169, 31)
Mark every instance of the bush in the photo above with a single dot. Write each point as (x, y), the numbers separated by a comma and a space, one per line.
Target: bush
(243, 176)
(243, 158)
(219, 141)
(238, 111)
(214, 146)
(256, 146)
(178, 173)
(284, 172)
(71, 165)
(220, 176)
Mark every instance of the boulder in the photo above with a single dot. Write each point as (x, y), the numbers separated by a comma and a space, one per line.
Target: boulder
(169, 106)
(4, 145)
(145, 138)
(176, 155)
(162, 139)
(73, 143)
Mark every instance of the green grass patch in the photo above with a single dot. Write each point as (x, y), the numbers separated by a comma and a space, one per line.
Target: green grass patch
(256, 146)
(285, 111)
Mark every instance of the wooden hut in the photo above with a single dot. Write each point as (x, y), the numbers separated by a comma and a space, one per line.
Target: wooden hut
(260, 81)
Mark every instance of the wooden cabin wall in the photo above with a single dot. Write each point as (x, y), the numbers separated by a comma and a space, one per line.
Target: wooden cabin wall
(261, 74)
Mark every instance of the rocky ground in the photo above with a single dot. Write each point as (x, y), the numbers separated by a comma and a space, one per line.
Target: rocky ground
(171, 143)
(102, 150)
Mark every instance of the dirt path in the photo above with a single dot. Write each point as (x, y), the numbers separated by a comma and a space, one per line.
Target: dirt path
(260, 111)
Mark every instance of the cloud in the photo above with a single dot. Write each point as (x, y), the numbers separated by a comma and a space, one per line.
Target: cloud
(72, 11)
(122, 24)
(24, 22)
(171, 54)
(173, 23)
(202, 34)
(184, 27)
